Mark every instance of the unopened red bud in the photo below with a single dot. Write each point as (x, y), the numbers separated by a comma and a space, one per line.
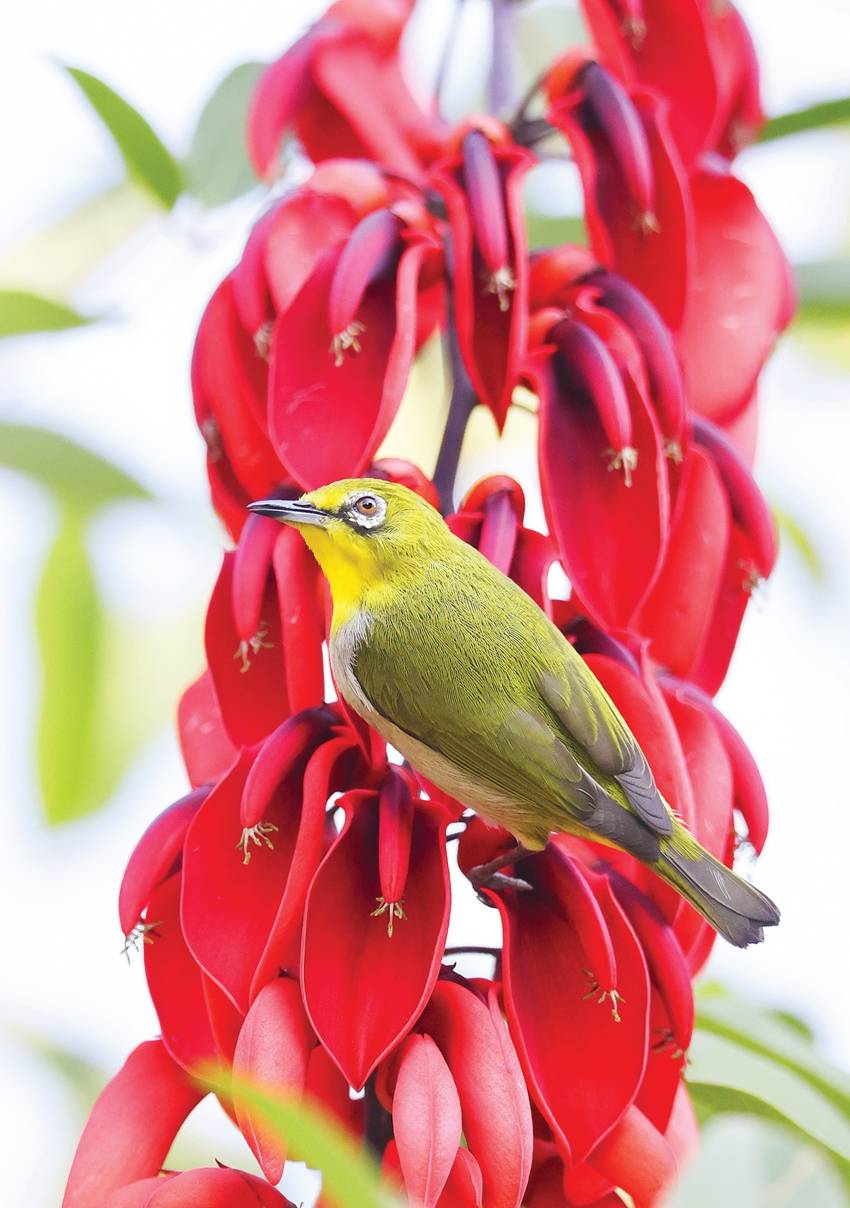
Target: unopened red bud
(285, 749)
(486, 195)
(250, 571)
(608, 106)
(585, 364)
(749, 508)
(369, 251)
(395, 830)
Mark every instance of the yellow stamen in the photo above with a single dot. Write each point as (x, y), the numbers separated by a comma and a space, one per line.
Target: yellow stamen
(624, 459)
(258, 835)
(253, 645)
(393, 910)
(501, 283)
(347, 340)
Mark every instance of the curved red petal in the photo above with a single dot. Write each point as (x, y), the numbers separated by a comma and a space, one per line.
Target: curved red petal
(636, 1157)
(370, 251)
(396, 813)
(363, 988)
(426, 1120)
(585, 367)
(131, 1127)
(284, 754)
(302, 229)
(155, 856)
(206, 749)
(216, 1187)
(464, 1187)
(302, 619)
(251, 567)
(273, 1051)
(278, 97)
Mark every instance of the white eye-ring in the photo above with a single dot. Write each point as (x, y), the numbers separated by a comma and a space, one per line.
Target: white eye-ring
(367, 511)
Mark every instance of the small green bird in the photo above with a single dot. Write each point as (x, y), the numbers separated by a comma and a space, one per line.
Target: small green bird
(458, 668)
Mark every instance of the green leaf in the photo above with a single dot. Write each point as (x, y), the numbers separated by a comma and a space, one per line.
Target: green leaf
(791, 529)
(82, 480)
(22, 313)
(823, 287)
(812, 117)
(69, 631)
(544, 230)
(724, 1076)
(350, 1178)
(217, 167)
(148, 160)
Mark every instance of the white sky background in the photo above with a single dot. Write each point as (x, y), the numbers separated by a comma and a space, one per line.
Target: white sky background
(122, 388)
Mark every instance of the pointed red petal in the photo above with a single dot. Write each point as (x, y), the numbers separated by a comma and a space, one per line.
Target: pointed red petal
(426, 1120)
(636, 1157)
(278, 98)
(586, 367)
(249, 677)
(302, 619)
(206, 749)
(284, 754)
(305, 226)
(131, 1127)
(251, 567)
(273, 1051)
(395, 832)
(362, 987)
(217, 1187)
(493, 1096)
(174, 982)
(370, 251)
(155, 856)
(464, 1187)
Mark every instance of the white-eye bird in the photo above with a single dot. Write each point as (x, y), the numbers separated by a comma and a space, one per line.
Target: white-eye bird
(458, 668)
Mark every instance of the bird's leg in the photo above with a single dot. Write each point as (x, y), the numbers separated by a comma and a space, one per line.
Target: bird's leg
(490, 876)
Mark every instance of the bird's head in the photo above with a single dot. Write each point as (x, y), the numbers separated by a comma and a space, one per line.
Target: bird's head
(365, 533)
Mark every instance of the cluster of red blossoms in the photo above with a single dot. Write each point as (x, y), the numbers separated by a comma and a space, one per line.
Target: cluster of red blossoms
(297, 900)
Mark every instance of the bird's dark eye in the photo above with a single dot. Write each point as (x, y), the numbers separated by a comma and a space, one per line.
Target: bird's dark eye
(366, 505)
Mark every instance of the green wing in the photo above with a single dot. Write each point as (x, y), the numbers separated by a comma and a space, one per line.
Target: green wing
(474, 670)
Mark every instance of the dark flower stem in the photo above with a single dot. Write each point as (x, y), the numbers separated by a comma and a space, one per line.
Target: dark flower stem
(474, 949)
(460, 406)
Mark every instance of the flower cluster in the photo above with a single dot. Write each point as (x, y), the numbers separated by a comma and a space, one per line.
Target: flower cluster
(295, 904)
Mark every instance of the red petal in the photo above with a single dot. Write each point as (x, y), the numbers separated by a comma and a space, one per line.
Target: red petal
(585, 367)
(302, 619)
(251, 567)
(217, 1187)
(279, 96)
(131, 1127)
(426, 1120)
(225, 1020)
(282, 756)
(370, 251)
(678, 610)
(154, 857)
(636, 1157)
(738, 297)
(740, 577)
(273, 1051)
(582, 1066)
(739, 117)
(493, 1096)
(363, 988)
(610, 536)
(305, 226)
(328, 771)
(464, 1188)
(206, 749)
(228, 907)
(395, 832)
(174, 982)
(665, 1066)
(685, 78)
(249, 678)
(499, 530)
(492, 339)
(607, 109)
(329, 1088)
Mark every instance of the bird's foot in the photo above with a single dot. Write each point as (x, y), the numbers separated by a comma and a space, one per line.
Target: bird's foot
(490, 876)
(393, 911)
(258, 835)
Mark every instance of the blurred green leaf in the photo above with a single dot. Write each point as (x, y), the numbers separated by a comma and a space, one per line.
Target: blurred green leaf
(544, 230)
(724, 1076)
(823, 287)
(217, 167)
(82, 480)
(147, 158)
(793, 531)
(812, 117)
(22, 313)
(82, 1078)
(69, 630)
(350, 1177)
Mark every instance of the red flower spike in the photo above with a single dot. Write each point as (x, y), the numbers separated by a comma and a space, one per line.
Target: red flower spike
(251, 567)
(154, 857)
(637, 1158)
(371, 251)
(278, 97)
(749, 509)
(395, 832)
(174, 983)
(490, 313)
(273, 1051)
(131, 1127)
(677, 612)
(544, 975)
(206, 749)
(659, 353)
(585, 367)
(748, 786)
(316, 436)
(426, 1120)
(228, 383)
(248, 676)
(464, 1186)
(494, 1103)
(740, 296)
(363, 989)
(302, 619)
(327, 772)
(229, 905)
(305, 226)
(610, 536)
(640, 54)
(284, 754)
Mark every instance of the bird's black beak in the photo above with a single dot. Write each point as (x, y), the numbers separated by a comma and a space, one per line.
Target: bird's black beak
(290, 511)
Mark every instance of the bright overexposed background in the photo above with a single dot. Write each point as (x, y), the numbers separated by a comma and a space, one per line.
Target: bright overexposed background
(120, 387)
